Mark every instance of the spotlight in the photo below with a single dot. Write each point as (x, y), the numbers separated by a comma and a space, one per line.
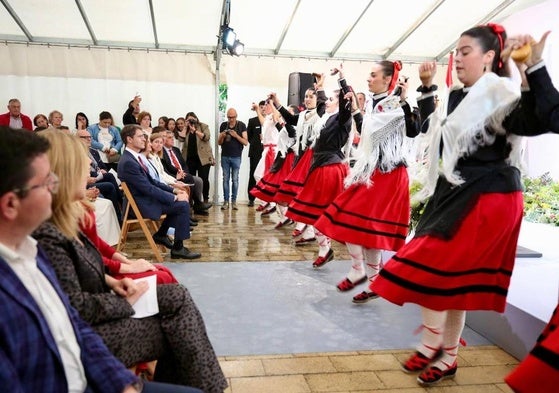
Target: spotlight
(237, 48)
(228, 36)
(230, 41)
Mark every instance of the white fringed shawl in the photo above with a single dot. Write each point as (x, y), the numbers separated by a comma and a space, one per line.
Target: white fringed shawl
(484, 108)
(305, 128)
(383, 130)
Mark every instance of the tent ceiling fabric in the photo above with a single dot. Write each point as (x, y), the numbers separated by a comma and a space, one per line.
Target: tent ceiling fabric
(409, 30)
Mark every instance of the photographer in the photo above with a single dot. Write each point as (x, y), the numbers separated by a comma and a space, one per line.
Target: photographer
(197, 151)
(232, 138)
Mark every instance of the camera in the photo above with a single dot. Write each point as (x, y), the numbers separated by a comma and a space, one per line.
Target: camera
(192, 121)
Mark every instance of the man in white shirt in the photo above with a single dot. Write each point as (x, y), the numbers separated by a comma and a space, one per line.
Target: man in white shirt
(46, 346)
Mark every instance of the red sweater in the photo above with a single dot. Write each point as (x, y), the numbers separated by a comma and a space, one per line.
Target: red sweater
(25, 121)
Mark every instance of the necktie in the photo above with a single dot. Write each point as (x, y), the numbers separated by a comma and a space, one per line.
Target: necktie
(144, 167)
(174, 160)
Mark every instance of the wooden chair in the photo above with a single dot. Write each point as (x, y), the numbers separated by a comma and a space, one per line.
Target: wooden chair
(127, 222)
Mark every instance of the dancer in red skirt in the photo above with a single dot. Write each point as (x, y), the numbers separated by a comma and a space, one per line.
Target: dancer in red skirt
(462, 255)
(315, 104)
(267, 188)
(269, 137)
(328, 169)
(539, 371)
(373, 213)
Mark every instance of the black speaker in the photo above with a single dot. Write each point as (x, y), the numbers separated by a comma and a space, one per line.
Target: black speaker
(299, 82)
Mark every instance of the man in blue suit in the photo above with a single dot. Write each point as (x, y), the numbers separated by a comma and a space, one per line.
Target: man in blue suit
(155, 198)
(44, 345)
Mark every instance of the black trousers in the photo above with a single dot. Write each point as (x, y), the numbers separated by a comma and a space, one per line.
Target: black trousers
(254, 160)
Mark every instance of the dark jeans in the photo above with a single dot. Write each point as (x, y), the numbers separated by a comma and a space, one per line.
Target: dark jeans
(203, 172)
(251, 181)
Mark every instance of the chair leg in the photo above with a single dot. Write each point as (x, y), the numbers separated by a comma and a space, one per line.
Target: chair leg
(151, 242)
(123, 237)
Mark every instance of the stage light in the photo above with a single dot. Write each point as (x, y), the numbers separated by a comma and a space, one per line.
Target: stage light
(228, 36)
(230, 42)
(237, 48)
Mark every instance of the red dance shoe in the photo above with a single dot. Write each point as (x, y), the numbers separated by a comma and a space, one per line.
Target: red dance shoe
(321, 261)
(434, 375)
(346, 284)
(262, 207)
(297, 232)
(418, 362)
(302, 241)
(364, 297)
(283, 223)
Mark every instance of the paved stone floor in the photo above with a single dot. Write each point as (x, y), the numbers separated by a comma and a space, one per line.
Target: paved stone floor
(241, 237)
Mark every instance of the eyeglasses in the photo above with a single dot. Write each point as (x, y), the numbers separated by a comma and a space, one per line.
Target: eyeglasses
(85, 137)
(231, 117)
(52, 184)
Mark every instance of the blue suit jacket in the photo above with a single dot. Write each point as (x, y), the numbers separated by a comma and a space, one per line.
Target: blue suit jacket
(29, 358)
(149, 194)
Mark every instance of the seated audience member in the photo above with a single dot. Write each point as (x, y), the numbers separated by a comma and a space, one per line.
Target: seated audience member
(171, 125)
(14, 118)
(55, 120)
(118, 265)
(175, 166)
(162, 121)
(176, 336)
(144, 120)
(106, 220)
(46, 346)
(82, 122)
(180, 132)
(106, 138)
(131, 114)
(156, 140)
(41, 122)
(178, 187)
(99, 176)
(153, 197)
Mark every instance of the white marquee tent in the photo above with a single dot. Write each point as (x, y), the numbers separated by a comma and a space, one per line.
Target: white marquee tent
(94, 55)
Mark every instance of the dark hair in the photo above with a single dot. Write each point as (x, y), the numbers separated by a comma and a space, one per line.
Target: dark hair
(167, 123)
(38, 117)
(263, 102)
(387, 67)
(158, 129)
(86, 119)
(105, 115)
(16, 162)
(295, 109)
(128, 131)
(489, 39)
(165, 119)
(192, 114)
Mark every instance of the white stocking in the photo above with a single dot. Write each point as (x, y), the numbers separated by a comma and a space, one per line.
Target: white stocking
(372, 260)
(357, 262)
(455, 321)
(432, 333)
(308, 233)
(323, 243)
(281, 212)
(300, 225)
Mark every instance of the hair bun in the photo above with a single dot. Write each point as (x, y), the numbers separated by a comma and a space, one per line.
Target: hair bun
(521, 54)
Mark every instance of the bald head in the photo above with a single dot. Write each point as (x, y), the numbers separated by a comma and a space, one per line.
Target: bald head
(84, 136)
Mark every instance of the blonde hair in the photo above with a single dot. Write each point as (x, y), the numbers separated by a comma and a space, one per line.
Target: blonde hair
(153, 137)
(69, 161)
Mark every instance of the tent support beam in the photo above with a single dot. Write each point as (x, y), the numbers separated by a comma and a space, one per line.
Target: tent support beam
(286, 28)
(154, 27)
(86, 21)
(349, 30)
(16, 19)
(413, 28)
